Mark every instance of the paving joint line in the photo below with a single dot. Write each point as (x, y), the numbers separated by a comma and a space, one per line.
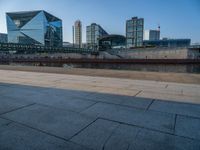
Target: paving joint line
(121, 105)
(175, 120)
(17, 109)
(41, 131)
(136, 136)
(88, 107)
(137, 93)
(150, 104)
(83, 129)
(53, 107)
(174, 114)
(106, 141)
(149, 129)
(193, 117)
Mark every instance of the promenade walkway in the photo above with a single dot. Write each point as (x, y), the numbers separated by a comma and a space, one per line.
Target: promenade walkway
(46, 111)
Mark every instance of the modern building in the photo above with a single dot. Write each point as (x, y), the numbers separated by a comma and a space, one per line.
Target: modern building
(3, 38)
(112, 42)
(67, 44)
(168, 43)
(152, 35)
(93, 33)
(134, 32)
(34, 27)
(78, 33)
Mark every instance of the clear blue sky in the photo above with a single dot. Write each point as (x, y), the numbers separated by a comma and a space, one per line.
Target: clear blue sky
(177, 18)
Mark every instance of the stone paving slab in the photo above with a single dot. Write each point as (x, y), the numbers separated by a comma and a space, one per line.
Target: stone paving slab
(137, 102)
(148, 119)
(53, 121)
(3, 122)
(109, 135)
(18, 137)
(69, 103)
(122, 138)
(22, 92)
(8, 104)
(188, 127)
(158, 90)
(151, 140)
(170, 97)
(65, 99)
(108, 98)
(96, 113)
(66, 93)
(176, 108)
(131, 101)
(96, 135)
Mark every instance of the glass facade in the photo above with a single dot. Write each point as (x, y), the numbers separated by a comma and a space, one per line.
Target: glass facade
(3, 38)
(134, 32)
(112, 42)
(34, 27)
(168, 43)
(93, 33)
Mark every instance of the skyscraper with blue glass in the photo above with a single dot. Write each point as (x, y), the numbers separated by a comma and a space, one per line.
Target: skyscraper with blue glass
(93, 33)
(34, 27)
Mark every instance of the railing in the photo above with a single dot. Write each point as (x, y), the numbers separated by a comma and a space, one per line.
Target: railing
(61, 60)
(31, 49)
(194, 47)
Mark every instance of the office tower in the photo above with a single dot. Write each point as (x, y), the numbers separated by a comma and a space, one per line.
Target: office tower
(94, 32)
(152, 35)
(78, 33)
(134, 32)
(34, 27)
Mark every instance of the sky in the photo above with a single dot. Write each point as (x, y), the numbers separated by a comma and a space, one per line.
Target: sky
(177, 18)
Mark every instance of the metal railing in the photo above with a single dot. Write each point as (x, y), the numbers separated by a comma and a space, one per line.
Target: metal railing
(31, 49)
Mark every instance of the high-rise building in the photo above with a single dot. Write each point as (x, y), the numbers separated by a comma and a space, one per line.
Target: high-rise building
(134, 32)
(34, 27)
(3, 38)
(78, 33)
(152, 35)
(94, 32)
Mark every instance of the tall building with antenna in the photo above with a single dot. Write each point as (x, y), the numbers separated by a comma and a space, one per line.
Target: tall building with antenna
(78, 33)
(152, 35)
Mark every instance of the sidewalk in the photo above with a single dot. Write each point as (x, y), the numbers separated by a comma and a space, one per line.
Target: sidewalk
(59, 111)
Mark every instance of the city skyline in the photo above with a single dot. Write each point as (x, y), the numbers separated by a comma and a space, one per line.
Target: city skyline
(178, 18)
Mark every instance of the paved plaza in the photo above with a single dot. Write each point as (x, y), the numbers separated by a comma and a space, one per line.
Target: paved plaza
(46, 111)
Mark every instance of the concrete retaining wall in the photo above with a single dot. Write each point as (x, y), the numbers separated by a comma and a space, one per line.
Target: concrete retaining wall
(156, 53)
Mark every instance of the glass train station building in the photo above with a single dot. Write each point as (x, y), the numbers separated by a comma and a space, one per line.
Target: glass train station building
(109, 42)
(34, 27)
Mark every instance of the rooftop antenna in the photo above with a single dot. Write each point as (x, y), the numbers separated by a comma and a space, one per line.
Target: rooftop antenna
(158, 27)
(159, 30)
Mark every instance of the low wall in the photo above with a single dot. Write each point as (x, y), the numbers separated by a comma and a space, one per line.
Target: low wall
(155, 53)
